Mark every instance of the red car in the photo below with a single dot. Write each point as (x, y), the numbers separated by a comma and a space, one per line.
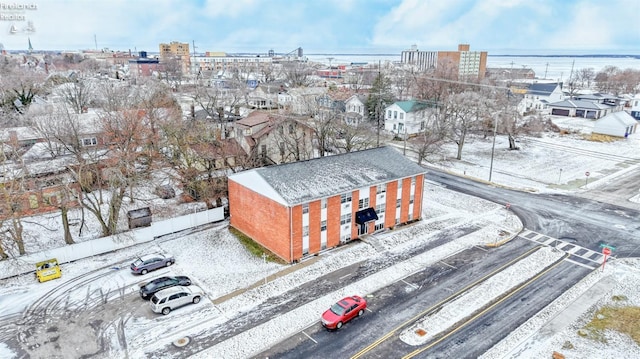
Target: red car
(343, 311)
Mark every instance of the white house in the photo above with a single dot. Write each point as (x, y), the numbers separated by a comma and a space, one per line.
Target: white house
(619, 124)
(355, 110)
(406, 118)
(537, 96)
(635, 107)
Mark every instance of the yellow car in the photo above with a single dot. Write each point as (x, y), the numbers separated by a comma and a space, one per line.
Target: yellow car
(48, 270)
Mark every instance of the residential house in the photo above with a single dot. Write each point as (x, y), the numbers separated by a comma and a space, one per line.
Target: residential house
(537, 97)
(37, 187)
(275, 139)
(299, 209)
(579, 108)
(223, 154)
(34, 182)
(262, 100)
(635, 107)
(615, 103)
(355, 110)
(19, 139)
(618, 124)
(407, 118)
(303, 100)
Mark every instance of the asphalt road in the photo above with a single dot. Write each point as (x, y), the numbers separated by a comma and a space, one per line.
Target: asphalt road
(578, 220)
(399, 305)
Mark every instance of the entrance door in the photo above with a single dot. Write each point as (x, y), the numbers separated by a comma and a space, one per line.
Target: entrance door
(363, 229)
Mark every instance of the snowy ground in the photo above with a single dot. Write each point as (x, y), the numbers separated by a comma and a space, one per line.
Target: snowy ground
(220, 265)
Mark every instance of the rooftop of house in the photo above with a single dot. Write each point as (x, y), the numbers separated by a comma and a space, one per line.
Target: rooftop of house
(582, 104)
(301, 182)
(541, 89)
(621, 117)
(254, 118)
(413, 105)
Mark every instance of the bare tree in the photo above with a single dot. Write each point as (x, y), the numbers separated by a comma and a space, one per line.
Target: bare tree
(349, 138)
(585, 77)
(78, 93)
(324, 128)
(296, 73)
(612, 79)
(293, 139)
(461, 114)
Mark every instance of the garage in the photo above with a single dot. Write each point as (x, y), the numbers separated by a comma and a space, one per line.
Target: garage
(560, 112)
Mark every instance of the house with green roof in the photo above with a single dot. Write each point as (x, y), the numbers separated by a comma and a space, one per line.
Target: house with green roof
(407, 118)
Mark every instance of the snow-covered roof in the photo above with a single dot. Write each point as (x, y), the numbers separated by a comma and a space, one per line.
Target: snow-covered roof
(300, 182)
(22, 134)
(584, 104)
(620, 117)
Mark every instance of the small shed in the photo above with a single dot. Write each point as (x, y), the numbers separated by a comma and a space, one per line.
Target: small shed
(140, 217)
(618, 124)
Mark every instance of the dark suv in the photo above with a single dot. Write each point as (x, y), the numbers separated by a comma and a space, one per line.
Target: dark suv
(150, 262)
(158, 284)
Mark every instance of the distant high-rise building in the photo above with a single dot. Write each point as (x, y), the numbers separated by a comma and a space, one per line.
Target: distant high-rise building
(176, 50)
(466, 63)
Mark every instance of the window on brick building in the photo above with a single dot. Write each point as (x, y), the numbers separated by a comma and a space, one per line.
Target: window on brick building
(363, 203)
(345, 218)
(305, 208)
(323, 226)
(382, 188)
(305, 231)
(345, 197)
(398, 203)
(323, 203)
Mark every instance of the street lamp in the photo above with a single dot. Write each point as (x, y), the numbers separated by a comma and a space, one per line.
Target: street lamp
(493, 147)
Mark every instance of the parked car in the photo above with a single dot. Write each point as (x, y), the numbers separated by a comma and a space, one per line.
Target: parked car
(343, 311)
(48, 270)
(147, 263)
(169, 299)
(158, 284)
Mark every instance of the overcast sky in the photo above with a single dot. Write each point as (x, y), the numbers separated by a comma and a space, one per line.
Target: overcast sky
(325, 26)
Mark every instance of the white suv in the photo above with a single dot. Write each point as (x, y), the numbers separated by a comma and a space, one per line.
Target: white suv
(171, 298)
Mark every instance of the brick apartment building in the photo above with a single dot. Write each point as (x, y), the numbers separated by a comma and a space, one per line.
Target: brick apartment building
(298, 209)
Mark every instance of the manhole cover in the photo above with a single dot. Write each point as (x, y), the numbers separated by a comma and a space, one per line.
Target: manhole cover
(421, 332)
(182, 342)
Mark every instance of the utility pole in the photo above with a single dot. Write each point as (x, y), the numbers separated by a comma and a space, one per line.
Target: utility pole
(194, 56)
(545, 70)
(379, 106)
(95, 40)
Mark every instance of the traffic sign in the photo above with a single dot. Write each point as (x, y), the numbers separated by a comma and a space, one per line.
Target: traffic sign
(606, 251)
(587, 173)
